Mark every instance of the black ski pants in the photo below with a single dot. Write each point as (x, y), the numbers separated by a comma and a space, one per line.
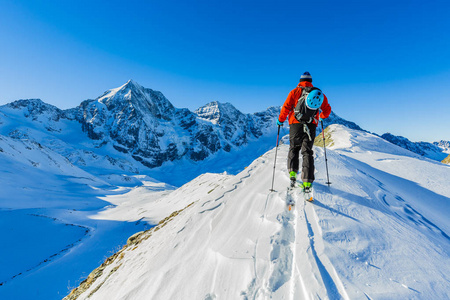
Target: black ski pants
(301, 141)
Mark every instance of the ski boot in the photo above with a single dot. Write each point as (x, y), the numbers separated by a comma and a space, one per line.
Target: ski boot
(307, 190)
(293, 178)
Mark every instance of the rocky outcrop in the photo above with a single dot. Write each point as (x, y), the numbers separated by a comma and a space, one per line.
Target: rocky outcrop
(446, 160)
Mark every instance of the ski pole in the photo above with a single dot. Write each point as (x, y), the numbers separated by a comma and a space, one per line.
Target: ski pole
(275, 162)
(325, 150)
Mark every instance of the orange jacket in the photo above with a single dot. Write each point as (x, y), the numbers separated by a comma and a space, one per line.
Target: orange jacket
(292, 100)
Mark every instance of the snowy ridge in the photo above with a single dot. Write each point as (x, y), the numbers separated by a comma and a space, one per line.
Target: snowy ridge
(436, 151)
(335, 119)
(370, 236)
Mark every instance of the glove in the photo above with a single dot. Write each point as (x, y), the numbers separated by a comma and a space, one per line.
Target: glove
(279, 123)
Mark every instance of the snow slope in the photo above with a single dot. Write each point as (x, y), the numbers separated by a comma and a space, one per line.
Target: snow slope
(49, 237)
(381, 231)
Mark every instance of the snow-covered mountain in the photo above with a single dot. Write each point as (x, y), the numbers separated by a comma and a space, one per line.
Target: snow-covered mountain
(144, 124)
(132, 128)
(335, 119)
(436, 151)
(380, 231)
(237, 127)
(444, 145)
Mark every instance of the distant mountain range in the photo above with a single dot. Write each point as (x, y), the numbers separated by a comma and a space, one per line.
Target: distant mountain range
(437, 150)
(133, 123)
(132, 128)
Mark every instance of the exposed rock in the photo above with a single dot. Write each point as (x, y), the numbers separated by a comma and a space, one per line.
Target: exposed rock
(446, 160)
(328, 138)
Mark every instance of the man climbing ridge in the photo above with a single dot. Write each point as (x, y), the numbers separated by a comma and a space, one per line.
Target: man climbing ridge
(302, 108)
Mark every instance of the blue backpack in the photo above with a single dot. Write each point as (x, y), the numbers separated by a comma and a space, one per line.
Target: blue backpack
(308, 104)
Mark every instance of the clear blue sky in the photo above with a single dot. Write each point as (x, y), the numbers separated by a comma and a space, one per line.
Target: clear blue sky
(383, 64)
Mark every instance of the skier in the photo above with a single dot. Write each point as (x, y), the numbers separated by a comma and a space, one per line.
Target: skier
(303, 122)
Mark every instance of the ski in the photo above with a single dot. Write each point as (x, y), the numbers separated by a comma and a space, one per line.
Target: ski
(289, 199)
(307, 193)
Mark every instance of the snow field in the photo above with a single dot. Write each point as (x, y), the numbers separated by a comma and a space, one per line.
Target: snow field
(362, 238)
(239, 242)
(47, 238)
(50, 241)
(381, 231)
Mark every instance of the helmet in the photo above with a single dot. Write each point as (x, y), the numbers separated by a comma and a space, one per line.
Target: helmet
(314, 99)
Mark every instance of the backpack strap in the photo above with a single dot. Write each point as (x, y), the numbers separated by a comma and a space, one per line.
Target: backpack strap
(306, 130)
(300, 97)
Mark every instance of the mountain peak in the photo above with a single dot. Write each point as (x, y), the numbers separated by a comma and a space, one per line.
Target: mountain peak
(215, 111)
(24, 102)
(132, 85)
(33, 105)
(134, 101)
(124, 91)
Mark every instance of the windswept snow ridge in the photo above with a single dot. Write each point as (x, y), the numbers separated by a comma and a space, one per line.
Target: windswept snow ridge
(380, 231)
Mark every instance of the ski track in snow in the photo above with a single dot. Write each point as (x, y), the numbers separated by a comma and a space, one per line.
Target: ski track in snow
(235, 186)
(281, 255)
(331, 281)
(287, 278)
